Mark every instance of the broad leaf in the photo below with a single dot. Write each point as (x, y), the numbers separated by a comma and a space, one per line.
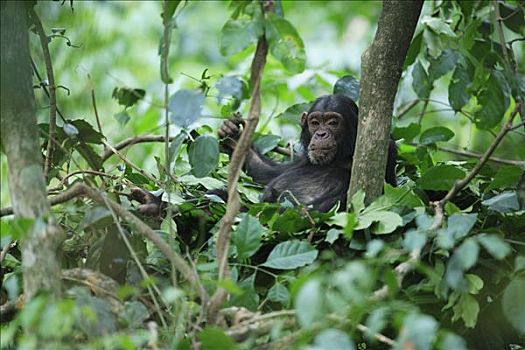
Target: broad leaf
(419, 332)
(185, 107)
(204, 155)
(495, 245)
(214, 338)
(458, 94)
(440, 177)
(238, 34)
(128, 97)
(278, 293)
(348, 86)
(420, 81)
(443, 64)
(309, 303)
(291, 255)
(494, 101)
(285, 43)
(266, 143)
(332, 339)
(247, 237)
(435, 134)
(503, 203)
(438, 26)
(230, 86)
(513, 305)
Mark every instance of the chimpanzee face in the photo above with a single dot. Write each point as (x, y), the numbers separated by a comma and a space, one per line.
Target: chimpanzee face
(325, 129)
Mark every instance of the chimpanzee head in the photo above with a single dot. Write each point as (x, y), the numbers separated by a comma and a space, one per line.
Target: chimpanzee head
(329, 129)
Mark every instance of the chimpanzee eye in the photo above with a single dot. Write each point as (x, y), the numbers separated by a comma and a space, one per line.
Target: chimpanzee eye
(314, 122)
(333, 123)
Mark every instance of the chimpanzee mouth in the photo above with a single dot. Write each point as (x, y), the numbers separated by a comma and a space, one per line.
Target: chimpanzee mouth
(320, 156)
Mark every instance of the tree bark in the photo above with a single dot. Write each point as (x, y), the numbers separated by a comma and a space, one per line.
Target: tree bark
(381, 70)
(20, 141)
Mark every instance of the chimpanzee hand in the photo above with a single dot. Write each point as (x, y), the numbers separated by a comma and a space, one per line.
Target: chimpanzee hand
(151, 205)
(230, 131)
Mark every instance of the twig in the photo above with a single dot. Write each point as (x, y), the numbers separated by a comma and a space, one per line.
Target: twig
(472, 154)
(125, 160)
(406, 108)
(94, 102)
(132, 141)
(63, 182)
(4, 251)
(236, 163)
(382, 338)
(423, 111)
(44, 41)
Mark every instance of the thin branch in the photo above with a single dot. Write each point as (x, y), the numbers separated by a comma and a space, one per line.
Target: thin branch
(94, 102)
(236, 163)
(472, 154)
(128, 162)
(132, 141)
(407, 108)
(44, 41)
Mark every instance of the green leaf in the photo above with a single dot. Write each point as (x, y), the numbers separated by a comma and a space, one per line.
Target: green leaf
(332, 339)
(420, 81)
(385, 221)
(441, 177)
(495, 245)
(285, 43)
(214, 338)
(348, 86)
(347, 221)
(86, 130)
(474, 283)
(408, 133)
(467, 309)
(128, 97)
(507, 176)
(185, 107)
(458, 226)
(332, 235)
(122, 117)
(176, 144)
(438, 26)
(435, 134)
(467, 253)
(291, 255)
(358, 201)
(414, 240)
(309, 303)
(230, 86)
(239, 34)
(513, 16)
(458, 93)
(207, 182)
(513, 305)
(419, 331)
(279, 293)
(413, 50)
(503, 203)
(135, 313)
(443, 64)
(266, 143)
(453, 341)
(98, 217)
(494, 101)
(290, 222)
(293, 113)
(247, 236)
(204, 155)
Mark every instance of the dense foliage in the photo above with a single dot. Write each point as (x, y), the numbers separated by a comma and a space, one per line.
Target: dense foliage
(298, 278)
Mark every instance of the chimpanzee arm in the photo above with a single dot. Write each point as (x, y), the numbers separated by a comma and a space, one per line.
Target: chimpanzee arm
(262, 169)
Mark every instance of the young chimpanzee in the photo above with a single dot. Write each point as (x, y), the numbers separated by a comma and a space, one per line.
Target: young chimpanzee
(319, 178)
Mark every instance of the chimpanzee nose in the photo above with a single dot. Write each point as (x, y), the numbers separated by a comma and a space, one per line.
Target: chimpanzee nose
(321, 134)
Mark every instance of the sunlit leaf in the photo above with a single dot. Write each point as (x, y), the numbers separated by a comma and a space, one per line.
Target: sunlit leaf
(214, 338)
(238, 34)
(291, 255)
(266, 143)
(495, 245)
(438, 26)
(285, 43)
(185, 107)
(332, 339)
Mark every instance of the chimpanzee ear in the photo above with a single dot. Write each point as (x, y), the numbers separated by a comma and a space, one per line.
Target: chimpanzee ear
(304, 118)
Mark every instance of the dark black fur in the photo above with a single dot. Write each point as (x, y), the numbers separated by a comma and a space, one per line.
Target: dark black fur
(318, 186)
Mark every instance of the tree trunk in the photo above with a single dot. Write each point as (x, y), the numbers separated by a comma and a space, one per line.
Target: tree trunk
(20, 142)
(381, 70)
